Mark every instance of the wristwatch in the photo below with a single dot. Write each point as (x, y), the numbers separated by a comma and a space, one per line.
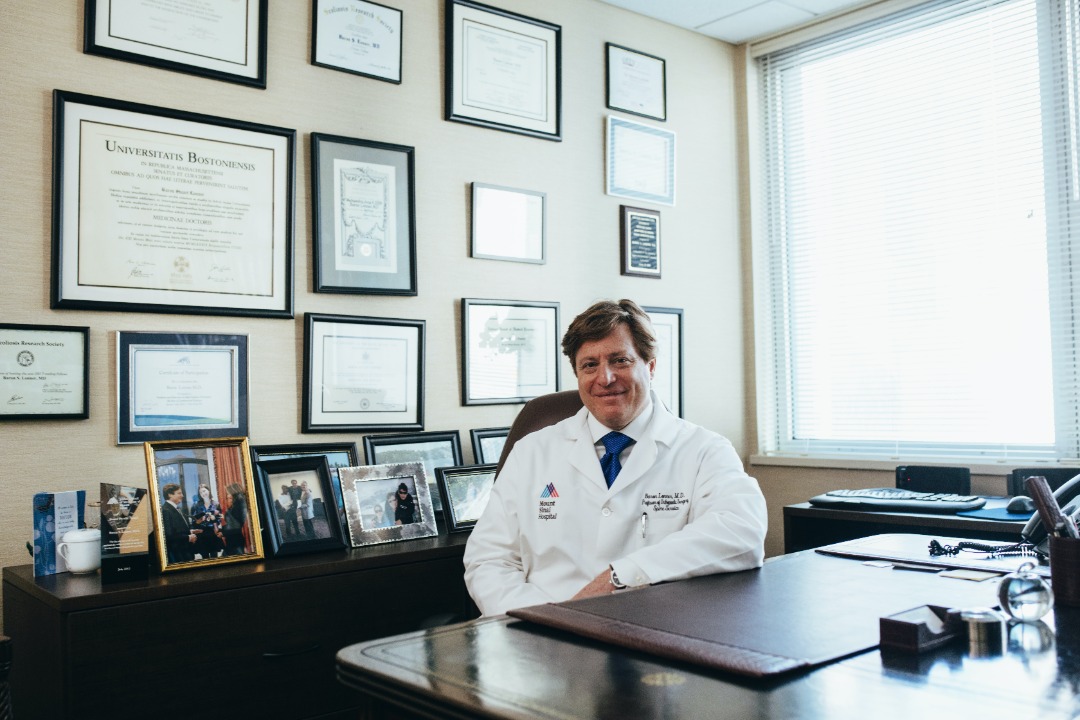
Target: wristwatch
(615, 580)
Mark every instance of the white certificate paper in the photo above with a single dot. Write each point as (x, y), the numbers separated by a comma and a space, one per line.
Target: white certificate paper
(183, 387)
(359, 37)
(511, 352)
(636, 82)
(365, 234)
(221, 35)
(41, 372)
(641, 161)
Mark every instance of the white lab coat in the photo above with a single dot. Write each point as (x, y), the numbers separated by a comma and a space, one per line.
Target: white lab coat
(552, 524)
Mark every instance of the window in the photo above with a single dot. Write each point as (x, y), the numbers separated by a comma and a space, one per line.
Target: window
(918, 289)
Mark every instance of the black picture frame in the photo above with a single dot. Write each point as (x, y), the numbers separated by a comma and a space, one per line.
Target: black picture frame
(130, 234)
(667, 324)
(367, 261)
(368, 44)
(316, 523)
(337, 454)
(502, 339)
(166, 372)
(44, 372)
(639, 241)
(487, 444)
(636, 82)
(151, 47)
(536, 111)
(465, 490)
(379, 385)
(432, 449)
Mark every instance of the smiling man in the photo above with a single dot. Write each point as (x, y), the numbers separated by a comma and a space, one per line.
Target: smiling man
(622, 494)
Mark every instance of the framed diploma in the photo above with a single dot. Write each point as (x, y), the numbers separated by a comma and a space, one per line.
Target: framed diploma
(173, 386)
(640, 161)
(508, 224)
(203, 498)
(503, 70)
(363, 216)
(510, 351)
(362, 373)
(157, 210)
(668, 377)
(636, 82)
(356, 36)
(222, 40)
(44, 372)
(640, 241)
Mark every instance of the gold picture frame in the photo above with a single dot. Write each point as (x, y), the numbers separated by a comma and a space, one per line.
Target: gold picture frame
(222, 525)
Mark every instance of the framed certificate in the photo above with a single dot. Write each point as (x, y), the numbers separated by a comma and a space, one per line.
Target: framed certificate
(173, 386)
(640, 241)
(508, 224)
(223, 40)
(356, 36)
(668, 376)
(510, 351)
(503, 70)
(157, 210)
(44, 372)
(362, 373)
(636, 82)
(363, 216)
(640, 161)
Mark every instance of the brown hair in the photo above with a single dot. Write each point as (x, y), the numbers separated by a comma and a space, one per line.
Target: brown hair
(169, 489)
(601, 319)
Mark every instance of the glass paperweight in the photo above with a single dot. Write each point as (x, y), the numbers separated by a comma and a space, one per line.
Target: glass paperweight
(1024, 595)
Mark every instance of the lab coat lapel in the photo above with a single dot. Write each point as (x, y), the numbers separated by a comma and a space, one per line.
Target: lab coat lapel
(661, 431)
(581, 452)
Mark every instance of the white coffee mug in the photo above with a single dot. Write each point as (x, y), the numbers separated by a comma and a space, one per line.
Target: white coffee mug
(81, 549)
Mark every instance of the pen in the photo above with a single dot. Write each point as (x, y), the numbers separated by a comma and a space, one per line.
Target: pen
(644, 524)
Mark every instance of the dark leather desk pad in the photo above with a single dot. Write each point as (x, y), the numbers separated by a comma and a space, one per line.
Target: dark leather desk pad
(796, 611)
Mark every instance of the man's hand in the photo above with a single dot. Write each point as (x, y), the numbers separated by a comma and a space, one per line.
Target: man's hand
(599, 585)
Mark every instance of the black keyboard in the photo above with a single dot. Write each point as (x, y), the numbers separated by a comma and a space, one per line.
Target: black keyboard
(898, 500)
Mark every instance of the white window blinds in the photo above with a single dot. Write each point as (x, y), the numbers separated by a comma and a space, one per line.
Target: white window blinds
(918, 295)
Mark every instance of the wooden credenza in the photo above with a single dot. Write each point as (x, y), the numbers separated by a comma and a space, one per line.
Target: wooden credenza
(245, 640)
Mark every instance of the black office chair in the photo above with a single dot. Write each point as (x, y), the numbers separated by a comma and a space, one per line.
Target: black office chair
(539, 413)
(934, 479)
(1055, 476)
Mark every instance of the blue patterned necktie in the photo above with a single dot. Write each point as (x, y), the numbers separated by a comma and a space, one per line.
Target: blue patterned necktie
(614, 443)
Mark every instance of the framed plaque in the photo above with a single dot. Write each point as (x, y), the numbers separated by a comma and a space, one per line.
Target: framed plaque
(362, 373)
(44, 372)
(173, 386)
(668, 376)
(636, 82)
(221, 40)
(357, 36)
(508, 224)
(510, 351)
(640, 161)
(503, 70)
(640, 241)
(363, 216)
(158, 210)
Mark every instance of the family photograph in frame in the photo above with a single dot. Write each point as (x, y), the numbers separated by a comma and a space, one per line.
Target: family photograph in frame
(467, 490)
(387, 503)
(298, 505)
(204, 503)
(337, 454)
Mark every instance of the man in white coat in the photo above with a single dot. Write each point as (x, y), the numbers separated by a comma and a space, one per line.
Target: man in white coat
(622, 494)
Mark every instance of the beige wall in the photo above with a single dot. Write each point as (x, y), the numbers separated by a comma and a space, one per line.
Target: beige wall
(41, 49)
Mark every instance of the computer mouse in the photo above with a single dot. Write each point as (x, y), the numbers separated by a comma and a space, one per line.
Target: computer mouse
(1021, 505)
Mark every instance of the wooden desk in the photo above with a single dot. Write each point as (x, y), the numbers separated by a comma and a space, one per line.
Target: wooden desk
(506, 669)
(807, 526)
(238, 641)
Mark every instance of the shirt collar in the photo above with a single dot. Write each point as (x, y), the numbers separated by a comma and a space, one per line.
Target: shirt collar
(634, 430)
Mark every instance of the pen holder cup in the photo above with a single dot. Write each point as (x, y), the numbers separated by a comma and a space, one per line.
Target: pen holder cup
(1065, 570)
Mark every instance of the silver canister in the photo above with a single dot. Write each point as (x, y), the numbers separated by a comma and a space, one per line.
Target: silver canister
(985, 631)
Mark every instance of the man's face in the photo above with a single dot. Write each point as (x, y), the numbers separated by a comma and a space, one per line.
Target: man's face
(613, 380)
(176, 497)
(294, 482)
